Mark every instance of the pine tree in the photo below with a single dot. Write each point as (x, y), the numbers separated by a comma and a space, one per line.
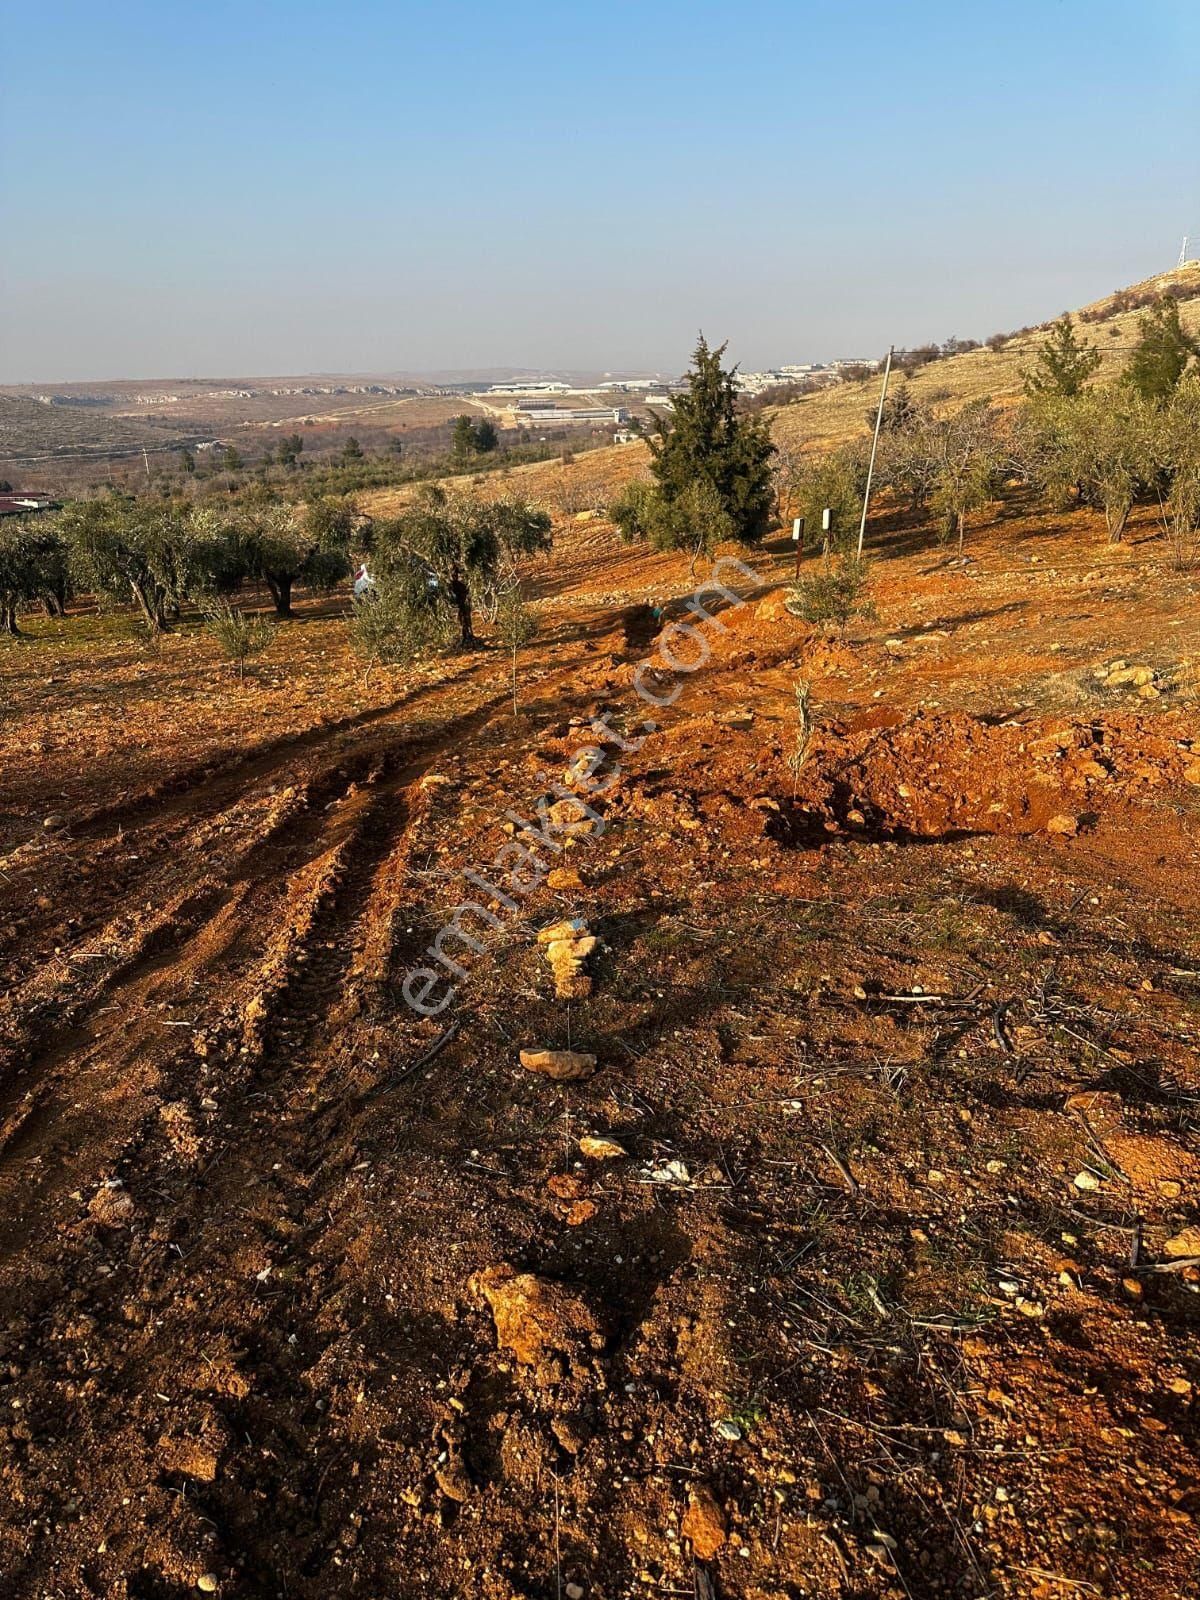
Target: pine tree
(1163, 351)
(1064, 363)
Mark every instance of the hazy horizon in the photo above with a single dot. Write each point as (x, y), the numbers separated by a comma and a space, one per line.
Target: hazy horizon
(291, 192)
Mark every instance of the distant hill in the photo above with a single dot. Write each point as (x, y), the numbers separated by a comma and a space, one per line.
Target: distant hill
(832, 415)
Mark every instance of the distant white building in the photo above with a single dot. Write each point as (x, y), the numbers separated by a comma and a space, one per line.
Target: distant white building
(570, 416)
(530, 386)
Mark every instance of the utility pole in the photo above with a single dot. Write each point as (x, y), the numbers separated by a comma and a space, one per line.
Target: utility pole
(1182, 252)
(146, 459)
(887, 372)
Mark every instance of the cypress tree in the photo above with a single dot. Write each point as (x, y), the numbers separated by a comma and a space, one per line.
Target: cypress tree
(711, 467)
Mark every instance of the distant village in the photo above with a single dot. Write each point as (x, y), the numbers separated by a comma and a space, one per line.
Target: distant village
(535, 402)
(531, 401)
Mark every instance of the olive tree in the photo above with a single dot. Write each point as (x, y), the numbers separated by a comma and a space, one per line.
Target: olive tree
(969, 458)
(283, 546)
(835, 483)
(446, 550)
(1174, 449)
(32, 567)
(1098, 445)
(516, 624)
(150, 551)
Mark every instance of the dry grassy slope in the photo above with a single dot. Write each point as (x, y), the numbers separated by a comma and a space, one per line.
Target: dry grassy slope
(836, 415)
(818, 420)
(591, 479)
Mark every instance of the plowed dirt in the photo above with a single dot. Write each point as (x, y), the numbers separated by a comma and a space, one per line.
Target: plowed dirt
(304, 1294)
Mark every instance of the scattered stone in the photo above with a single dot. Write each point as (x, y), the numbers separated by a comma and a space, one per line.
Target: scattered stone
(111, 1206)
(452, 1479)
(1064, 824)
(54, 820)
(561, 950)
(565, 1066)
(535, 1316)
(1191, 774)
(582, 1211)
(569, 817)
(669, 1172)
(1184, 1243)
(1086, 1180)
(704, 1522)
(571, 1432)
(574, 1591)
(564, 1186)
(568, 944)
(596, 1149)
(727, 1429)
(207, 1583)
(564, 878)
(188, 1458)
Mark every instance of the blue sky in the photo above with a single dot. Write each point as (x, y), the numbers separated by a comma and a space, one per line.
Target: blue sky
(267, 188)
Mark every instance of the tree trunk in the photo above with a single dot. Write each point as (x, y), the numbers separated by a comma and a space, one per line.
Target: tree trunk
(1116, 520)
(281, 594)
(461, 597)
(8, 619)
(962, 533)
(151, 608)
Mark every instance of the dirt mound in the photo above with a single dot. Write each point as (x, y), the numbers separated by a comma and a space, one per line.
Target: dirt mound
(935, 776)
